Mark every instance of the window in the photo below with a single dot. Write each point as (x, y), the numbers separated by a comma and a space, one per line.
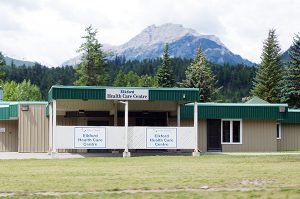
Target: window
(231, 131)
(278, 135)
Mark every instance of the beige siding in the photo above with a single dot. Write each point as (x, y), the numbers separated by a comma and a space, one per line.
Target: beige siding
(290, 137)
(33, 131)
(258, 136)
(104, 105)
(9, 139)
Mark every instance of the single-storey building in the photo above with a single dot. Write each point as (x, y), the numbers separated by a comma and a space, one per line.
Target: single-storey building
(97, 119)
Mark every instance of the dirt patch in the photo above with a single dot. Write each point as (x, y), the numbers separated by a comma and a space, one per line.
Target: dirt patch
(255, 182)
(201, 189)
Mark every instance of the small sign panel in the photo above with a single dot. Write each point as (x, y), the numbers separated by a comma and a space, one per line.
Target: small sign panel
(2, 130)
(127, 94)
(90, 137)
(161, 138)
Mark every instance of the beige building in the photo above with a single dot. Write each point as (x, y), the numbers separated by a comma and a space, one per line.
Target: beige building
(105, 119)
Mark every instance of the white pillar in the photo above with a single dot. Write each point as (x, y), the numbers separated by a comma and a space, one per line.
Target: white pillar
(50, 128)
(54, 128)
(126, 153)
(178, 115)
(115, 114)
(196, 151)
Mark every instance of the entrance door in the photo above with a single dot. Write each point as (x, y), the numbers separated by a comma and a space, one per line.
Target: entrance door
(214, 135)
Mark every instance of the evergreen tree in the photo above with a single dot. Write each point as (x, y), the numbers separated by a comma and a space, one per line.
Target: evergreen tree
(92, 70)
(291, 82)
(269, 72)
(199, 75)
(147, 81)
(164, 75)
(120, 79)
(2, 67)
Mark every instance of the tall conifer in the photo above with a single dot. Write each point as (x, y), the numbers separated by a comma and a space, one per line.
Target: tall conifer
(199, 75)
(269, 72)
(291, 83)
(164, 75)
(92, 70)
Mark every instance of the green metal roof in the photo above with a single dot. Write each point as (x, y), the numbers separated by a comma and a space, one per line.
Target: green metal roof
(256, 100)
(98, 92)
(235, 111)
(10, 110)
(292, 117)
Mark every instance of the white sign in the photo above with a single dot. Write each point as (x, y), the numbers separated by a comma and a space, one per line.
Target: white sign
(2, 130)
(89, 137)
(161, 138)
(127, 94)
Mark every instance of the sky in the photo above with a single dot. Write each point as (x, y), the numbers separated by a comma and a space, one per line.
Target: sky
(49, 31)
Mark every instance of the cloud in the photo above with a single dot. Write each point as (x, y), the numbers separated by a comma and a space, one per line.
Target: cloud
(49, 31)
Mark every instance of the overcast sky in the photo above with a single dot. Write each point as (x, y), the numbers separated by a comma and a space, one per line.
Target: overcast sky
(48, 31)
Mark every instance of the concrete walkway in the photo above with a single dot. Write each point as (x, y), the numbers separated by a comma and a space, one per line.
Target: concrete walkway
(16, 155)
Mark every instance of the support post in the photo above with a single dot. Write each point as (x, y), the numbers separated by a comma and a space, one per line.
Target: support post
(126, 153)
(54, 151)
(196, 151)
(178, 115)
(115, 114)
(50, 129)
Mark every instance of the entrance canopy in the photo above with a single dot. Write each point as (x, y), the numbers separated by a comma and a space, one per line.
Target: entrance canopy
(120, 117)
(123, 93)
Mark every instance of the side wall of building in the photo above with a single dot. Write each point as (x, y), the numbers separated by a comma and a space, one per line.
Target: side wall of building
(9, 136)
(33, 132)
(290, 137)
(258, 136)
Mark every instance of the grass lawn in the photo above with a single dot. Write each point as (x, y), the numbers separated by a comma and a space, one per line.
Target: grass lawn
(177, 177)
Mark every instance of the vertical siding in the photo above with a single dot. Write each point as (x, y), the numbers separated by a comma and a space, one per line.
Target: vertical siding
(290, 137)
(9, 139)
(33, 131)
(258, 136)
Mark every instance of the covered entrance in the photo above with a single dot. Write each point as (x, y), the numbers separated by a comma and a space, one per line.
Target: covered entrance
(214, 135)
(120, 118)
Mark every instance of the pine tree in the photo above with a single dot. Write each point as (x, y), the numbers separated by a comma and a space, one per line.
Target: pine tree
(2, 67)
(291, 83)
(92, 70)
(269, 72)
(199, 75)
(164, 75)
(120, 79)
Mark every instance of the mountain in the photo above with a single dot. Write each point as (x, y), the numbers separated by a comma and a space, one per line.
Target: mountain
(17, 62)
(183, 42)
(285, 56)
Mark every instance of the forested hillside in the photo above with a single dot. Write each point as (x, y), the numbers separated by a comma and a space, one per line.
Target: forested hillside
(235, 80)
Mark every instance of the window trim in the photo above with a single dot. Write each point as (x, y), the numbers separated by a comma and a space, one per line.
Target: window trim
(231, 131)
(280, 131)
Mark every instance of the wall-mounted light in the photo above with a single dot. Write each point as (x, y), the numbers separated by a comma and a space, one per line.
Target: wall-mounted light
(25, 108)
(81, 112)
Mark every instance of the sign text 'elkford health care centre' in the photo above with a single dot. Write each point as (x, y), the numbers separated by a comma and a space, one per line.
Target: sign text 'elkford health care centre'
(127, 94)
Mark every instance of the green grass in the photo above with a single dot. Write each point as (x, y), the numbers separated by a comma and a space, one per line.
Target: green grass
(275, 175)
